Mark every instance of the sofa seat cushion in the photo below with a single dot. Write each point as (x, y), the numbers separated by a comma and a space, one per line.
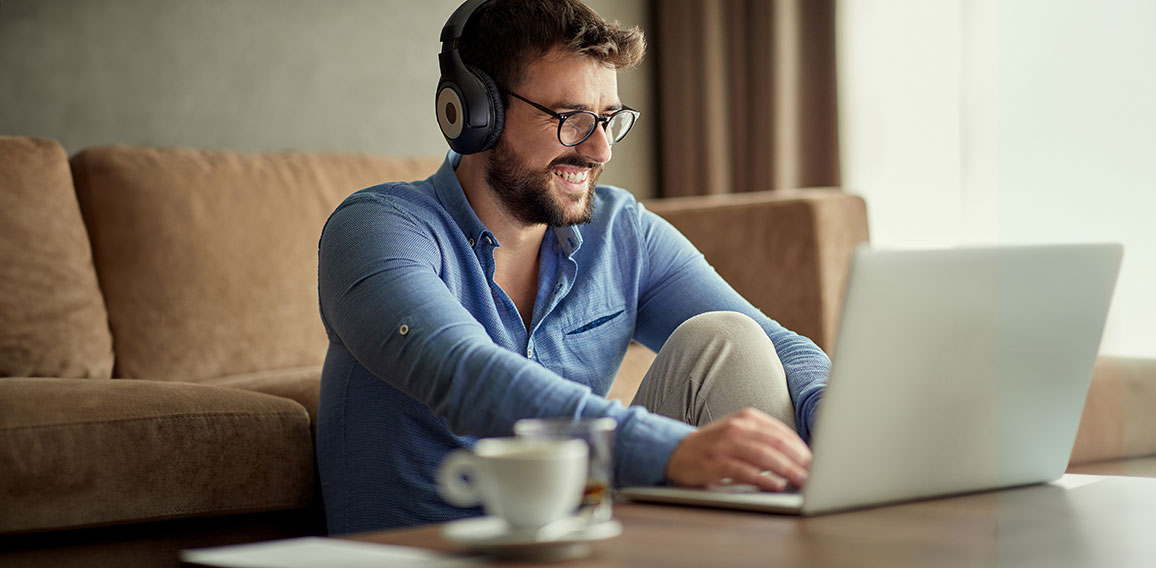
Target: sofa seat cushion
(302, 384)
(54, 319)
(78, 453)
(1118, 420)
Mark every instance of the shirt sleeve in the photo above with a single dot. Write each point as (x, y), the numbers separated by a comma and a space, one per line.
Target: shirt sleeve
(678, 284)
(382, 297)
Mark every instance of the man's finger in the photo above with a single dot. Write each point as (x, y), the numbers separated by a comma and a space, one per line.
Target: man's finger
(765, 458)
(742, 473)
(787, 444)
(775, 433)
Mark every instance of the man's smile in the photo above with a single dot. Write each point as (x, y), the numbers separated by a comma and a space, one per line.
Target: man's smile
(572, 176)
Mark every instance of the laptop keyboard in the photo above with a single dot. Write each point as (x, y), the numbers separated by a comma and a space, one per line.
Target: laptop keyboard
(741, 488)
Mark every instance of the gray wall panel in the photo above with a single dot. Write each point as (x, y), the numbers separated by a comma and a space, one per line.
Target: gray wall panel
(354, 75)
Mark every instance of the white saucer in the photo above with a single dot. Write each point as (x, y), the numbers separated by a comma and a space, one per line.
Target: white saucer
(559, 541)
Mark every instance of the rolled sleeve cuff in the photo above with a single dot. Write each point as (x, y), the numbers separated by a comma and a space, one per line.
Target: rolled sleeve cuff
(807, 410)
(645, 443)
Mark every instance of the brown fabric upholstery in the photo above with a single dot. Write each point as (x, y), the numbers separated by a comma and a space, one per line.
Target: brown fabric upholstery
(786, 251)
(302, 385)
(634, 367)
(208, 260)
(52, 317)
(79, 453)
(1118, 419)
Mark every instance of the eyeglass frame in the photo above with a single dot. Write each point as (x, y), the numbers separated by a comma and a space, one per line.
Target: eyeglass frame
(599, 120)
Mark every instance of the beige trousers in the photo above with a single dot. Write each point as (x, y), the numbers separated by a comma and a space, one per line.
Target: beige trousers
(715, 364)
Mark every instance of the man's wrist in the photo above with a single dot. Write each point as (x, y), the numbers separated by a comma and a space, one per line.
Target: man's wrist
(646, 443)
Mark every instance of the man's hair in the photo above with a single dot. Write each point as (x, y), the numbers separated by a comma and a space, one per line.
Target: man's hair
(503, 37)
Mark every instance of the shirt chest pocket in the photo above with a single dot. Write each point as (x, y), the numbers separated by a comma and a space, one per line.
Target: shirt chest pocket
(591, 328)
(594, 343)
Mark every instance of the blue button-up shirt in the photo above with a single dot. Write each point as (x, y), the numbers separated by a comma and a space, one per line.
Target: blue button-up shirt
(427, 353)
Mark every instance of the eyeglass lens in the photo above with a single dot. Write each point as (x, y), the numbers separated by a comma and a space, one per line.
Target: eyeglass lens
(580, 125)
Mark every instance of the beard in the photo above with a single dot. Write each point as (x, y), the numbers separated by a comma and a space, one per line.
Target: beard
(528, 196)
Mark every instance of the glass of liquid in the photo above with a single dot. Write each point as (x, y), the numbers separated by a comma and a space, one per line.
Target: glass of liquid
(599, 434)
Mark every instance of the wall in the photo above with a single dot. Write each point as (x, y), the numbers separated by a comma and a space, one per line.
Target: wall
(254, 75)
(1026, 121)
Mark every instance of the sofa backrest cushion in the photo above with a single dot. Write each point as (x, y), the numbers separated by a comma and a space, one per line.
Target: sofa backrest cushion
(208, 259)
(52, 317)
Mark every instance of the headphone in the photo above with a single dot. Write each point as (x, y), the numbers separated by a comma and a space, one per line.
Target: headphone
(469, 105)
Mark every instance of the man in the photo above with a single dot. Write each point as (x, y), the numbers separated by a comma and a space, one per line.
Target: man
(508, 285)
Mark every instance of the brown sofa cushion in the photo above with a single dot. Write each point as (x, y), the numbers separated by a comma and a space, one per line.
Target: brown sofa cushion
(1118, 420)
(54, 322)
(79, 453)
(302, 385)
(208, 260)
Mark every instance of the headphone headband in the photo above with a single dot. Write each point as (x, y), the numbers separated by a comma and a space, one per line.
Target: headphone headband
(456, 25)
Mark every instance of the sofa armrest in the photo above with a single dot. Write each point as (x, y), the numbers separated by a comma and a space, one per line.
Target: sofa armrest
(1118, 420)
(787, 251)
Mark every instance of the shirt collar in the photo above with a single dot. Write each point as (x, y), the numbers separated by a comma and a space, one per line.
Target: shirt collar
(453, 198)
(569, 239)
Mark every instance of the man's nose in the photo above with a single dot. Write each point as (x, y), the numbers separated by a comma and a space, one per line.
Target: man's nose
(596, 148)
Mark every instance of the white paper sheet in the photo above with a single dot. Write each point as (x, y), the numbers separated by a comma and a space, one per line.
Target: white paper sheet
(311, 552)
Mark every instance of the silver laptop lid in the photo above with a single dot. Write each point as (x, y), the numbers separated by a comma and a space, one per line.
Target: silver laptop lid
(958, 370)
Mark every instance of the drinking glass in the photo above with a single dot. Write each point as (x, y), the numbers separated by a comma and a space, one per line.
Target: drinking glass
(598, 433)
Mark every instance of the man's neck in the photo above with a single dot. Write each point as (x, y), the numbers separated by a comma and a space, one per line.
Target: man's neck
(516, 261)
(519, 241)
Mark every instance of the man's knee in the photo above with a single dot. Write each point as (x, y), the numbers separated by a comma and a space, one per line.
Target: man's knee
(734, 365)
(733, 327)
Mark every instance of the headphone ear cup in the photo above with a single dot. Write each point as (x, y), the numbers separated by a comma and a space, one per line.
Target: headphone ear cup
(497, 109)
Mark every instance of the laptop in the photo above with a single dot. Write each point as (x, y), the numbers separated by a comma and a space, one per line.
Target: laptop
(955, 371)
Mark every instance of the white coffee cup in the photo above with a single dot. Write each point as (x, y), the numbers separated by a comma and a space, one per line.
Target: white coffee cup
(529, 483)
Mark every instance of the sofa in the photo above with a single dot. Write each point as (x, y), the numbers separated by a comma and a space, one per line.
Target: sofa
(160, 348)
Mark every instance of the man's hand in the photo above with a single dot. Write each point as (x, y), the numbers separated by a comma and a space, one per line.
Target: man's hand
(740, 447)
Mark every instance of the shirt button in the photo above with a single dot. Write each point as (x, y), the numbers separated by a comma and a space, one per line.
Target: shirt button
(473, 242)
(488, 240)
(404, 329)
(529, 352)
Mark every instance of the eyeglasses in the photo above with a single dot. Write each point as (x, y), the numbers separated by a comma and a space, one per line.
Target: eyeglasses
(576, 126)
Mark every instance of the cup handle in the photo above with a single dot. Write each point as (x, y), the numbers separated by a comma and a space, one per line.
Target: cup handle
(455, 490)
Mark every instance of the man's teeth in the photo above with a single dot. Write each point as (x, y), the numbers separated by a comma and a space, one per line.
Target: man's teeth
(572, 177)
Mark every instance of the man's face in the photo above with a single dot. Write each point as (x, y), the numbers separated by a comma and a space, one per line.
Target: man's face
(537, 179)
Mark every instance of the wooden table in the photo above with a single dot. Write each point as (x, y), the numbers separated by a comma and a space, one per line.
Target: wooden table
(1100, 524)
